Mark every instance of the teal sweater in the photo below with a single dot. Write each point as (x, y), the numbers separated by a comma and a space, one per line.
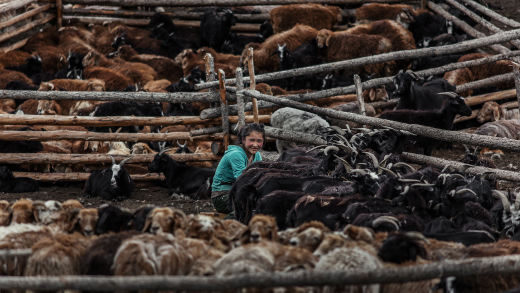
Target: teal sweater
(230, 168)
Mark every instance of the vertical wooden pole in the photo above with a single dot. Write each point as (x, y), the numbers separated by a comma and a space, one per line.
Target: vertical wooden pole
(59, 18)
(240, 99)
(224, 107)
(516, 70)
(359, 93)
(424, 4)
(251, 67)
(210, 67)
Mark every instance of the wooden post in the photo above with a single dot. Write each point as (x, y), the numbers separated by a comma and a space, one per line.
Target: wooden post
(25, 15)
(516, 70)
(240, 99)
(424, 4)
(223, 107)
(485, 82)
(29, 26)
(359, 95)
(492, 14)
(210, 67)
(204, 131)
(59, 19)
(51, 158)
(252, 82)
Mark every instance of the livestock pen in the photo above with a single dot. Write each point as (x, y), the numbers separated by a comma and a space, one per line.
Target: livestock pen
(348, 178)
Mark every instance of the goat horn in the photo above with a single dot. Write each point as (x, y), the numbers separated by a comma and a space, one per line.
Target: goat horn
(374, 159)
(382, 220)
(180, 145)
(401, 164)
(185, 142)
(437, 206)
(461, 191)
(314, 148)
(409, 180)
(329, 148)
(466, 148)
(358, 171)
(124, 161)
(388, 171)
(406, 189)
(458, 176)
(451, 94)
(452, 193)
(476, 150)
(113, 160)
(517, 200)
(164, 151)
(345, 163)
(446, 167)
(338, 130)
(485, 174)
(418, 236)
(423, 185)
(503, 198)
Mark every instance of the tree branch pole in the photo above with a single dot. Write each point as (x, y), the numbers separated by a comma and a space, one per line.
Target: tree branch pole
(440, 134)
(485, 82)
(73, 177)
(516, 72)
(59, 16)
(115, 96)
(204, 131)
(491, 27)
(398, 55)
(240, 98)
(52, 158)
(191, 3)
(14, 46)
(23, 29)
(100, 136)
(464, 26)
(252, 81)
(13, 5)
(8, 253)
(484, 266)
(224, 108)
(359, 95)
(25, 15)
(492, 14)
(441, 163)
(294, 136)
(11, 119)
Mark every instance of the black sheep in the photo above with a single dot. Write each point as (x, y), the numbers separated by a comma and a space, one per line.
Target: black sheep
(10, 184)
(175, 45)
(140, 216)
(113, 219)
(126, 109)
(180, 179)
(215, 29)
(112, 183)
(165, 23)
(277, 204)
(399, 248)
(31, 66)
(236, 43)
(10, 146)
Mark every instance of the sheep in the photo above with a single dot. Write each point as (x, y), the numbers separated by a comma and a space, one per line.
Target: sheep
(190, 61)
(489, 69)
(260, 227)
(13, 58)
(157, 86)
(351, 107)
(214, 28)
(71, 204)
(10, 75)
(341, 46)
(47, 37)
(102, 39)
(114, 81)
(74, 85)
(309, 235)
(142, 148)
(229, 59)
(208, 229)
(165, 67)
(70, 39)
(442, 118)
(491, 111)
(502, 128)
(165, 220)
(143, 45)
(10, 184)
(378, 11)
(53, 59)
(57, 255)
(459, 77)
(263, 59)
(113, 219)
(296, 120)
(285, 17)
(83, 221)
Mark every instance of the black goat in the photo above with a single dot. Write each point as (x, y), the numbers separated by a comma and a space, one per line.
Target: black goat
(124, 39)
(183, 149)
(10, 184)
(75, 68)
(428, 25)
(31, 66)
(166, 25)
(235, 43)
(127, 109)
(416, 96)
(442, 118)
(38, 78)
(8, 146)
(435, 61)
(112, 183)
(266, 30)
(20, 86)
(113, 219)
(400, 247)
(175, 45)
(215, 29)
(180, 179)
(303, 56)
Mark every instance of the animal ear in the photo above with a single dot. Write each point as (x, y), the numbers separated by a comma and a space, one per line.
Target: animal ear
(73, 220)
(327, 40)
(35, 215)
(496, 113)
(274, 233)
(147, 223)
(372, 95)
(179, 219)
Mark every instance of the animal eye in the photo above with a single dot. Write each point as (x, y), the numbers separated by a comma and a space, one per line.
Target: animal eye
(315, 239)
(170, 220)
(269, 227)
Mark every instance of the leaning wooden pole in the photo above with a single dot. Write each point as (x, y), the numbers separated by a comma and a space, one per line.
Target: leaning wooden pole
(359, 95)
(440, 134)
(398, 55)
(224, 107)
(485, 82)
(240, 98)
(492, 14)
(516, 71)
(59, 19)
(252, 81)
(27, 27)
(25, 15)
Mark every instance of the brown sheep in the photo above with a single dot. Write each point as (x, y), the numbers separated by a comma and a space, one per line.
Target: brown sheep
(163, 66)
(23, 211)
(209, 229)
(331, 242)
(139, 73)
(377, 11)
(83, 221)
(140, 40)
(458, 77)
(103, 39)
(261, 227)
(71, 204)
(56, 107)
(14, 58)
(490, 69)
(53, 59)
(117, 28)
(342, 46)
(400, 37)
(9, 75)
(264, 60)
(114, 81)
(165, 220)
(285, 17)
(228, 59)
(309, 235)
(29, 107)
(157, 86)
(82, 31)
(7, 105)
(142, 148)
(191, 61)
(491, 111)
(47, 37)
(70, 40)
(4, 212)
(75, 85)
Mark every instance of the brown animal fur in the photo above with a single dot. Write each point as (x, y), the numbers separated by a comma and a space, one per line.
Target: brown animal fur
(9, 75)
(14, 58)
(228, 59)
(76, 85)
(489, 69)
(29, 107)
(71, 204)
(191, 61)
(163, 66)
(309, 235)
(377, 11)
(157, 86)
(103, 39)
(165, 220)
(491, 111)
(261, 227)
(114, 81)
(70, 40)
(83, 221)
(458, 77)
(48, 37)
(264, 62)
(53, 58)
(285, 17)
(23, 211)
(342, 46)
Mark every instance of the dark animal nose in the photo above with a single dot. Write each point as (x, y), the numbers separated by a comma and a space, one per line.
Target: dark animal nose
(88, 232)
(255, 236)
(293, 242)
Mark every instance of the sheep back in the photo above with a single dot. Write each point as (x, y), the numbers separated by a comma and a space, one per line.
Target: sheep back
(503, 128)
(285, 17)
(376, 11)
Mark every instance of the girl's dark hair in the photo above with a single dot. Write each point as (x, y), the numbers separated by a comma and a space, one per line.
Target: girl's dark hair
(247, 129)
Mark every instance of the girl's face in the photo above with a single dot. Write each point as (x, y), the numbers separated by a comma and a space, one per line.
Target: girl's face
(253, 142)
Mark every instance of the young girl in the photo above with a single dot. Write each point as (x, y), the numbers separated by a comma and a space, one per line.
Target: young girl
(237, 157)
